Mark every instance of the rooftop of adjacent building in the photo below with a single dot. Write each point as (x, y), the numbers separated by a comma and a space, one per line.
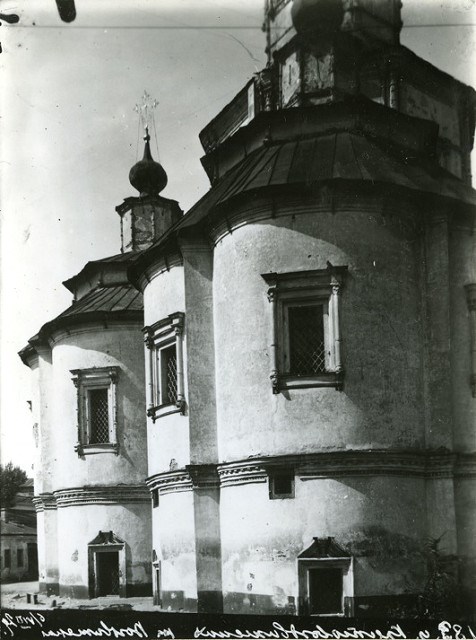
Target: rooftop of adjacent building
(8, 528)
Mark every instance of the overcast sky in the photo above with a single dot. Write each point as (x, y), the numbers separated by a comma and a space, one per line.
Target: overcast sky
(69, 135)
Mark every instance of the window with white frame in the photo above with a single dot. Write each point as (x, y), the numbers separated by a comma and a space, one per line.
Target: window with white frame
(305, 342)
(164, 358)
(97, 409)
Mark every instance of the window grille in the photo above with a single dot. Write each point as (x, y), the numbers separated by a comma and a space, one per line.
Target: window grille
(99, 416)
(97, 409)
(306, 340)
(281, 484)
(169, 356)
(165, 375)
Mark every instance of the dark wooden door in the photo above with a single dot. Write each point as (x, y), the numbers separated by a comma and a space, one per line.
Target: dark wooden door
(107, 579)
(325, 591)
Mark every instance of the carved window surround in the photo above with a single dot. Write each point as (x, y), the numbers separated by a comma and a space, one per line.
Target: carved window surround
(158, 338)
(318, 288)
(85, 381)
(471, 300)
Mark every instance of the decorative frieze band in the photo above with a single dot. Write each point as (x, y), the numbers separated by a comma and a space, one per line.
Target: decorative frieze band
(241, 473)
(44, 502)
(204, 476)
(79, 496)
(116, 494)
(170, 482)
(430, 464)
(433, 464)
(377, 463)
(465, 466)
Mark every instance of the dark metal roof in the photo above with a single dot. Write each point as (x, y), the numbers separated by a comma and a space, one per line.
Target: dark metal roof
(324, 548)
(13, 529)
(103, 304)
(336, 156)
(92, 266)
(106, 299)
(355, 145)
(107, 537)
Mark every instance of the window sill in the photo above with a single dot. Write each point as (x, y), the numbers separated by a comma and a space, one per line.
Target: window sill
(89, 449)
(166, 409)
(327, 379)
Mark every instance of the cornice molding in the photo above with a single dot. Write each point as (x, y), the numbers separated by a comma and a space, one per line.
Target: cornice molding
(327, 199)
(95, 324)
(378, 463)
(170, 482)
(465, 466)
(241, 473)
(79, 496)
(336, 464)
(115, 494)
(204, 476)
(44, 502)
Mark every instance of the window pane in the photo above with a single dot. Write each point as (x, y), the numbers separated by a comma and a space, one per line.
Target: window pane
(169, 375)
(7, 559)
(99, 416)
(306, 340)
(325, 591)
(155, 498)
(283, 484)
(19, 557)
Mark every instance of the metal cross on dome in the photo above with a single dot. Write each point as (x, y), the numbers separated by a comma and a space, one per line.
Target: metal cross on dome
(146, 109)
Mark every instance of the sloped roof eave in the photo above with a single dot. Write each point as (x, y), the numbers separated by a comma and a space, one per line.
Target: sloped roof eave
(206, 206)
(129, 308)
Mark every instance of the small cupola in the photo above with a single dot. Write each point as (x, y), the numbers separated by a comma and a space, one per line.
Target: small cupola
(148, 215)
(147, 175)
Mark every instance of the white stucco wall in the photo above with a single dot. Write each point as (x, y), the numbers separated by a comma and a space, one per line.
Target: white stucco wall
(97, 346)
(380, 332)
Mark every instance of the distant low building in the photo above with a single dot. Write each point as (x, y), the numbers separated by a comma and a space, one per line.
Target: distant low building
(19, 557)
(19, 554)
(23, 510)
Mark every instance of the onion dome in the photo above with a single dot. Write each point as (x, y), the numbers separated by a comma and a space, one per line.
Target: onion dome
(147, 175)
(317, 16)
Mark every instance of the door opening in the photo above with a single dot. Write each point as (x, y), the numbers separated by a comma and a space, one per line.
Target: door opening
(32, 554)
(107, 573)
(325, 591)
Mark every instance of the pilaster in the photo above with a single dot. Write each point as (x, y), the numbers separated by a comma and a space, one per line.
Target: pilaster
(198, 277)
(437, 332)
(206, 490)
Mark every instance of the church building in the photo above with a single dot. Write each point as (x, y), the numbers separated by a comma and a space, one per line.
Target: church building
(267, 405)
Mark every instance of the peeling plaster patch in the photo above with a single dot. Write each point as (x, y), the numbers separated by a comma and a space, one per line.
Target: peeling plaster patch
(74, 556)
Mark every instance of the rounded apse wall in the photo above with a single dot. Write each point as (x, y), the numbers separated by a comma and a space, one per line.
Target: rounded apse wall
(85, 349)
(380, 405)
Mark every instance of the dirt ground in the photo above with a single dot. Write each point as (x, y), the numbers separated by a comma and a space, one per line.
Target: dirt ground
(14, 596)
